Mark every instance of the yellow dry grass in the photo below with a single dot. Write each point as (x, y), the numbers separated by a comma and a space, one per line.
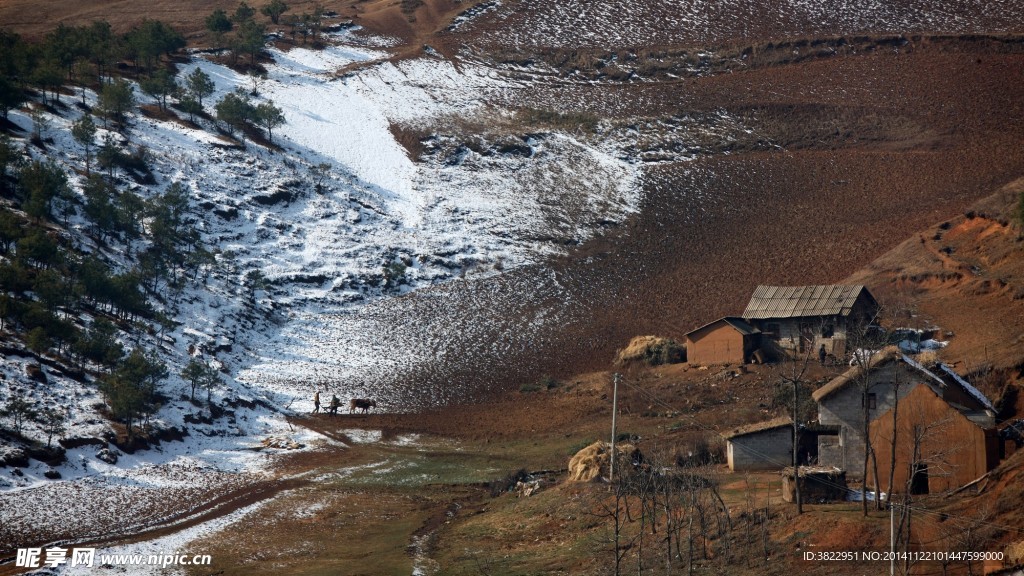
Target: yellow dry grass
(640, 349)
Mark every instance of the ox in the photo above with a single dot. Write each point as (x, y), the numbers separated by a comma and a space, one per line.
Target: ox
(361, 403)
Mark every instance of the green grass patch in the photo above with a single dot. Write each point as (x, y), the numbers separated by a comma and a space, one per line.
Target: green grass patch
(562, 120)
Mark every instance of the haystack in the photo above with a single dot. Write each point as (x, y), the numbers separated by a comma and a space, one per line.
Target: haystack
(591, 462)
(281, 442)
(652, 350)
(1015, 553)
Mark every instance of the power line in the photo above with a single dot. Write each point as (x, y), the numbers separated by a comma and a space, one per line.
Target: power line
(971, 521)
(766, 457)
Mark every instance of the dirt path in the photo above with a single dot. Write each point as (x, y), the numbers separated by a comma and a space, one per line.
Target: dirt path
(216, 508)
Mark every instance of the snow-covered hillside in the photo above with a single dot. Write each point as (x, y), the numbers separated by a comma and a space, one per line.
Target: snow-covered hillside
(313, 238)
(382, 217)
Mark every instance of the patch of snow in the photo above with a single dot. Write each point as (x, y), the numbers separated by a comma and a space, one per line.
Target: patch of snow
(360, 436)
(932, 344)
(299, 298)
(176, 543)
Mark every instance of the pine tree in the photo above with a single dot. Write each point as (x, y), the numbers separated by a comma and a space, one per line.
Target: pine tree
(108, 155)
(53, 423)
(274, 10)
(10, 156)
(235, 110)
(210, 380)
(199, 85)
(258, 77)
(18, 410)
(193, 374)
(250, 39)
(10, 230)
(40, 183)
(218, 24)
(159, 85)
(270, 117)
(101, 45)
(115, 100)
(37, 340)
(11, 96)
(99, 208)
(38, 250)
(147, 41)
(131, 388)
(84, 132)
(243, 13)
(49, 76)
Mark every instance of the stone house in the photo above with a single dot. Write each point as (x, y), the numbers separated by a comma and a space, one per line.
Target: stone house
(761, 446)
(794, 318)
(890, 374)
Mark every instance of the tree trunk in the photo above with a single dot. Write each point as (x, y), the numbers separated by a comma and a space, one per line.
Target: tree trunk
(867, 450)
(796, 447)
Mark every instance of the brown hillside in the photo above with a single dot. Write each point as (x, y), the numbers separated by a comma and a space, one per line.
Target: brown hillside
(840, 156)
(943, 131)
(967, 275)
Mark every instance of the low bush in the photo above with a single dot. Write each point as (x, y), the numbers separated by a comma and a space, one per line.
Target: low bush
(508, 482)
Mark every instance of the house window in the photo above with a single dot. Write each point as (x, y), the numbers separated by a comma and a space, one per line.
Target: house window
(872, 399)
(828, 331)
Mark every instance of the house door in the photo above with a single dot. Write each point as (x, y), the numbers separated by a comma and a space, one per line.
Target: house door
(806, 337)
(919, 482)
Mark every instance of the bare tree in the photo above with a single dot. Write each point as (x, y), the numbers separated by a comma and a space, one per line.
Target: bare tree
(867, 343)
(662, 515)
(892, 441)
(792, 373)
(612, 511)
(924, 460)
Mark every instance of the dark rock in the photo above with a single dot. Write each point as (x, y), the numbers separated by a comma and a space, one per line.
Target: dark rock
(277, 197)
(170, 434)
(513, 149)
(17, 458)
(51, 456)
(52, 474)
(79, 441)
(130, 446)
(236, 402)
(108, 456)
(197, 419)
(226, 212)
(35, 372)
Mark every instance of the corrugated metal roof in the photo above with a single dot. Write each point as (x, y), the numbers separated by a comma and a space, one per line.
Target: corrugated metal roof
(920, 368)
(799, 301)
(880, 357)
(978, 395)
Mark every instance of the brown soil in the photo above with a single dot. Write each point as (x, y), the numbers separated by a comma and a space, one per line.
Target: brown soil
(34, 19)
(965, 275)
(867, 149)
(853, 152)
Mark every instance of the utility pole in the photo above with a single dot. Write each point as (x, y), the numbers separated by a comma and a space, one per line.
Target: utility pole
(615, 399)
(892, 534)
(796, 446)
